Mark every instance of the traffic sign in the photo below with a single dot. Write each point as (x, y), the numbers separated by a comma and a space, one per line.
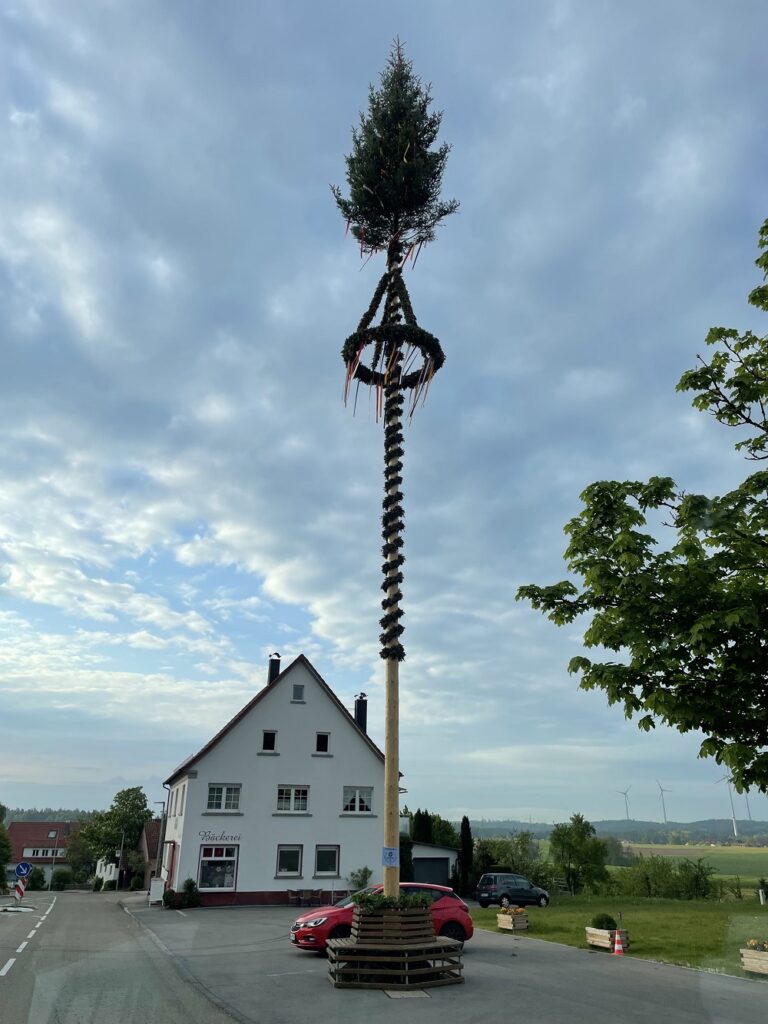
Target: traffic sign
(23, 869)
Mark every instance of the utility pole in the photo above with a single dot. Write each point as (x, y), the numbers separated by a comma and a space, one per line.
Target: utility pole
(53, 834)
(120, 859)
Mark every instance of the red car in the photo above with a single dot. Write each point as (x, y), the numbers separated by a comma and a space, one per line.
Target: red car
(450, 916)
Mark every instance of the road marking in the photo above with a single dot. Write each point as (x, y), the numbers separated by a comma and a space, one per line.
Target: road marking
(8, 965)
(181, 912)
(31, 935)
(21, 948)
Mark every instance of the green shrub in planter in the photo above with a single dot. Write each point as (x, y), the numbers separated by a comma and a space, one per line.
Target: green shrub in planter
(97, 883)
(371, 902)
(137, 883)
(191, 894)
(604, 921)
(110, 886)
(169, 899)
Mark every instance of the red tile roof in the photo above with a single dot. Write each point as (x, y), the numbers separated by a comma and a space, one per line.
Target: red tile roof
(34, 835)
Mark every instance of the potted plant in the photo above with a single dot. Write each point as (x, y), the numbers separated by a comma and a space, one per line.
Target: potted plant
(512, 919)
(754, 958)
(602, 932)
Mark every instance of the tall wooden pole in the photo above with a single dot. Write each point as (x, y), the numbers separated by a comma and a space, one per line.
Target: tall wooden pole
(392, 525)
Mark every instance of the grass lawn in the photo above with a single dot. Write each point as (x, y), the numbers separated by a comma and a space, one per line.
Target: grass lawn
(694, 934)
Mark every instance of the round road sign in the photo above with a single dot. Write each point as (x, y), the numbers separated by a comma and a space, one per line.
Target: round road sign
(23, 869)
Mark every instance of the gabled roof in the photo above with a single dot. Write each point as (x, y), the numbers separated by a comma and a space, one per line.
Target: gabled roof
(301, 660)
(24, 834)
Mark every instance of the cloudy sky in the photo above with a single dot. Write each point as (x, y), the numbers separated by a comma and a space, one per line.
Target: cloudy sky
(183, 490)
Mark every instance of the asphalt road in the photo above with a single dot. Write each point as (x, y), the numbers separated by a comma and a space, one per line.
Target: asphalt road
(78, 958)
(242, 957)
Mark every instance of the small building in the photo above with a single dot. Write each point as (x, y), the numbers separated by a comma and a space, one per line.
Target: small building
(42, 844)
(433, 864)
(149, 843)
(286, 798)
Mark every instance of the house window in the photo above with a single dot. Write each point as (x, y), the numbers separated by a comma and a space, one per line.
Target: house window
(223, 798)
(322, 742)
(358, 799)
(269, 740)
(298, 692)
(183, 793)
(289, 860)
(327, 860)
(218, 867)
(293, 798)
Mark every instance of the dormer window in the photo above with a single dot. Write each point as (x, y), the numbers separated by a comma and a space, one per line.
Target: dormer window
(298, 693)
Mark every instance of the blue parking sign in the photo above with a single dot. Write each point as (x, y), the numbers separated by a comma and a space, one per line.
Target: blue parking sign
(23, 869)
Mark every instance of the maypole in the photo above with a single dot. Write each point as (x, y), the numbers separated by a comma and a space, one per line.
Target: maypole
(394, 206)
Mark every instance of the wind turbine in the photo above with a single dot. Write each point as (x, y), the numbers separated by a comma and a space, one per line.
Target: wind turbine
(662, 791)
(626, 802)
(746, 801)
(727, 778)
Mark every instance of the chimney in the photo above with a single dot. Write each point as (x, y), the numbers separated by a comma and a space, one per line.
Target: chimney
(274, 668)
(361, 711)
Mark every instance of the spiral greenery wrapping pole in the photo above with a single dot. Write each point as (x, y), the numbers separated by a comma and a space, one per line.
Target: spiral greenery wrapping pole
(395, 348)
(392, 523)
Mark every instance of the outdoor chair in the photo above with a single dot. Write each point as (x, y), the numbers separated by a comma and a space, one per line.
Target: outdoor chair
(293, 898)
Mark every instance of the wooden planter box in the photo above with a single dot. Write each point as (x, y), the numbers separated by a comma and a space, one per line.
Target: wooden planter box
(512, 922)
(605, 938)
(394, 949)
(754, 961)
(393, 927)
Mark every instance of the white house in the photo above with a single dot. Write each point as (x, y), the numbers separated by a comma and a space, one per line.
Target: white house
(287, 796)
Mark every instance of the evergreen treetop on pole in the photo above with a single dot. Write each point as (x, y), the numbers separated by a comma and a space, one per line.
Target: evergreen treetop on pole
(394, 174)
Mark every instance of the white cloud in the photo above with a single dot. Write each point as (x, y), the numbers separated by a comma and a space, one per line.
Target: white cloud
(76, 106)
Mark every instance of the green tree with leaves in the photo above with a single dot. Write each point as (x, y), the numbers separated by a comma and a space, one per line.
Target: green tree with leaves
(686, 617)
(394, 174)
(444, 832)
(79, 854)
(5, 851)
(578, 854)
(120, 826)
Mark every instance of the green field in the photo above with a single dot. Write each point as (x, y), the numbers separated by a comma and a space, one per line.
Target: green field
(748, 862)
(695, 934)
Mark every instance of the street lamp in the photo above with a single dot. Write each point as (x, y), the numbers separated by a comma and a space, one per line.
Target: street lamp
(53, 834)
(120, 859)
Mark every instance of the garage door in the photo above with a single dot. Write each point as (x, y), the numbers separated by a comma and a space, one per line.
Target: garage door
(435, 870)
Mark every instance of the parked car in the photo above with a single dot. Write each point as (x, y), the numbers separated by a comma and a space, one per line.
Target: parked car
(450, 916)
(509, 891)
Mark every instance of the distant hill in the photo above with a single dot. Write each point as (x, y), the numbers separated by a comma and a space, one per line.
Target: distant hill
(711, 830)
(46, 814)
